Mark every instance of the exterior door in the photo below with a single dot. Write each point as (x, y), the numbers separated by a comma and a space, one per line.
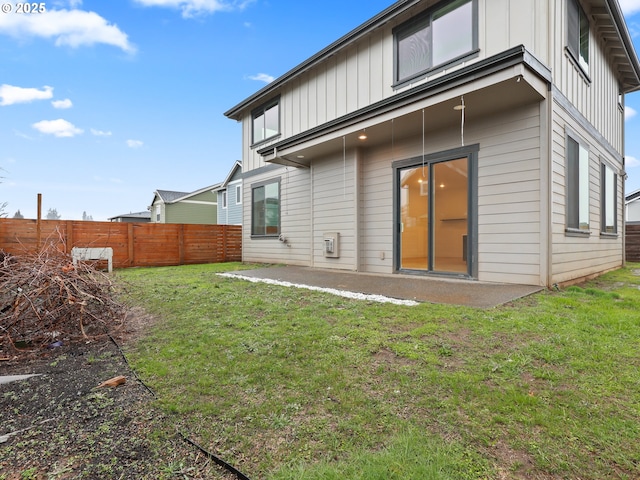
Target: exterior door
(433, 202)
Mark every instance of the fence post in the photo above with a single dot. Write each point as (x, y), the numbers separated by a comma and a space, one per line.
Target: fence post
(225, 248)
(130, 244)
(68, 241)
(181, 244)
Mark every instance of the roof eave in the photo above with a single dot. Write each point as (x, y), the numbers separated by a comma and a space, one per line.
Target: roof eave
(383, 17)
(625, 38)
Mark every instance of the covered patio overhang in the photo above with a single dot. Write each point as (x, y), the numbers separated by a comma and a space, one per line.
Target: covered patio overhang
(509, 80)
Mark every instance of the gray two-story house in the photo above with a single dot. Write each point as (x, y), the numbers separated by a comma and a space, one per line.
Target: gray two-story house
(479, 139)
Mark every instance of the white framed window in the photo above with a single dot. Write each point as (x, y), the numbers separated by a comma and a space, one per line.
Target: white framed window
(158, 212)
(238, 194)
(223, 194)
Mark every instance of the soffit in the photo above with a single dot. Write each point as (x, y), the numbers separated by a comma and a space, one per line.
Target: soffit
(610, 26)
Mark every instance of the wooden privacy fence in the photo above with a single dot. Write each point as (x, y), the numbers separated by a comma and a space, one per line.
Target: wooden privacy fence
(632, 242)
(133, 244)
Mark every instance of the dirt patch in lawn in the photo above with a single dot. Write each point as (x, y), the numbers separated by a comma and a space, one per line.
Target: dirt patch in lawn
(60, 424)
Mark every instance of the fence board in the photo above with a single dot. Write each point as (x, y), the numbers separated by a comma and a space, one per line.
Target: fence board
(632, 242)
(134, 244)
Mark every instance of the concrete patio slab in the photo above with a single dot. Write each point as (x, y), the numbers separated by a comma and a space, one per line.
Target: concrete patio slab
(397, 286)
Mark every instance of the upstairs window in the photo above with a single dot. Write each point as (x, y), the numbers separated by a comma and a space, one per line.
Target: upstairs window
(223, 194)
(266, 121)
(238, 194)
(578, 33)
(577, 178)
(608, 208)
(437, 37)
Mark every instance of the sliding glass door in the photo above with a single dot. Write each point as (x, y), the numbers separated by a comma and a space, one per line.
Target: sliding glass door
(433, 203)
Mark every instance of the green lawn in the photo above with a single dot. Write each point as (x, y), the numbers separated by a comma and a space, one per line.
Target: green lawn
(285, 383)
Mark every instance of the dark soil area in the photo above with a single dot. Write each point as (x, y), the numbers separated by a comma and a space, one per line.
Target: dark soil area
(61, 425)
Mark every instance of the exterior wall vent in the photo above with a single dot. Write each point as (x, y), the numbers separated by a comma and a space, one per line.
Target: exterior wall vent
(331, 244)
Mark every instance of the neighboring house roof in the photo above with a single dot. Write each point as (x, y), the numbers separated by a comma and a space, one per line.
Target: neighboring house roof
(633, 196)
(609, 22)
(237, 165)
(135, 215)
(169, 196)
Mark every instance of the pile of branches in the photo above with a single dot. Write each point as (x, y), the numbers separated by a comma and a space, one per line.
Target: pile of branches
(46, 302)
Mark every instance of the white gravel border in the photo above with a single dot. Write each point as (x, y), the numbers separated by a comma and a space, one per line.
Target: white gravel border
(333, 291)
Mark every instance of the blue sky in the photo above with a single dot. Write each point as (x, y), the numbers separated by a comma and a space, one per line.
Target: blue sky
(104, 101)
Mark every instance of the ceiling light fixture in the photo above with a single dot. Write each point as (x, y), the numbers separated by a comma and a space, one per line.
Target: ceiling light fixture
(363, 135)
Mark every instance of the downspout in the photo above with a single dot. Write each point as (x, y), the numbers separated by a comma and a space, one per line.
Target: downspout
(624, 179)
(549, 190)
(311, 216)
(548, 279)
(356, 206)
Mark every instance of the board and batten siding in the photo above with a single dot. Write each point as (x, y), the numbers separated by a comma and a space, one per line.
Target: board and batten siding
(594, 93)
(362, 73)
(576, 256)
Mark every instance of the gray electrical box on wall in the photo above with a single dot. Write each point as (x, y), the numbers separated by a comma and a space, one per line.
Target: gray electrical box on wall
(331, 244)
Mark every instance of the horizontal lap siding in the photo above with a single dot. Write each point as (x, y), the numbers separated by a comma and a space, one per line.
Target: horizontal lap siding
(376, 222)
(574, 257)
(509, 204)
(334, 193)
(295, 220)
(508, 195)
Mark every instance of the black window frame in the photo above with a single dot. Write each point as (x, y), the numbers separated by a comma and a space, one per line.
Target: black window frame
(577, 20)
(261, 110)
(607, 197)
(264, 226)
(422, 21)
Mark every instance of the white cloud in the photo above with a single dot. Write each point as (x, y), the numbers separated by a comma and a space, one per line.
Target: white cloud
(631, 162)
(10, 94)
(73, 28)
(192, 8)
(67, 3)
(262, 77)
(630, 7)
(100, 133)
(134, 143)
(629, 113)
(62, 104)
(57, 128)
